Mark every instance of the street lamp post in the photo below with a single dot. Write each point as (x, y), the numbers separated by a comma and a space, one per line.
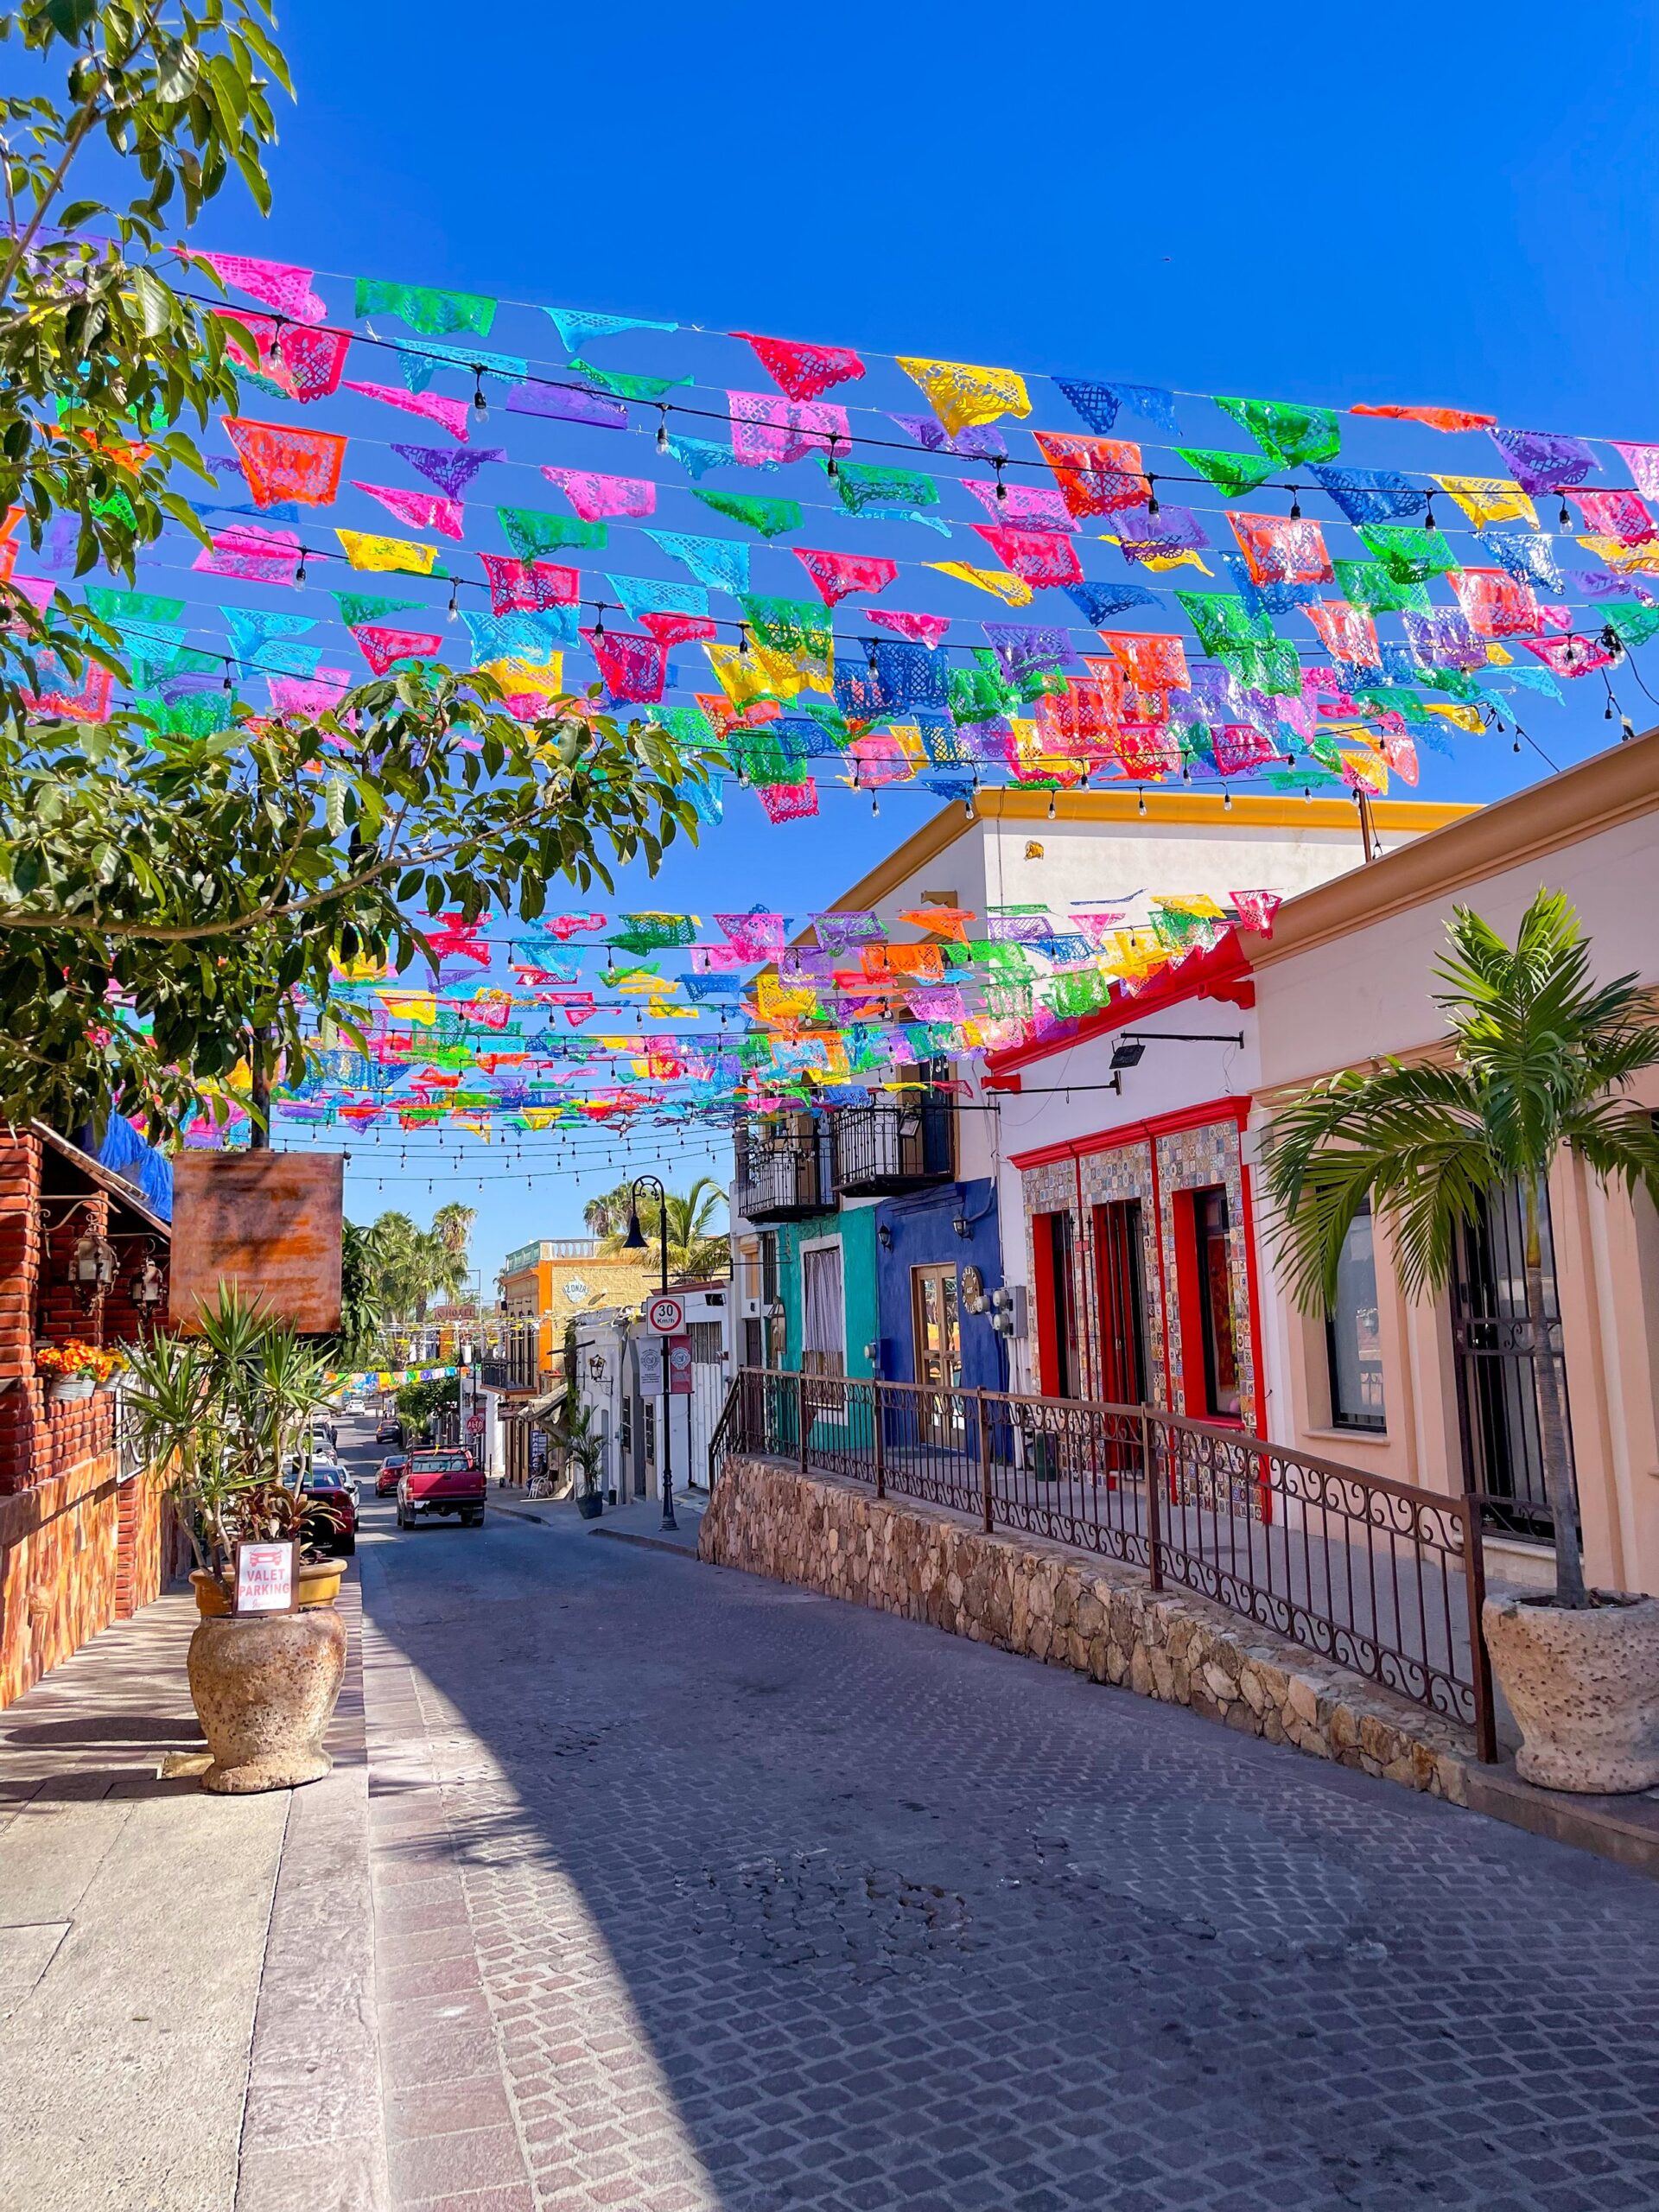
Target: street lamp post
(635, 1241)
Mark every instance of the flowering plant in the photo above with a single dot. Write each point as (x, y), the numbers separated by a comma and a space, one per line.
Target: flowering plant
(76, 1359)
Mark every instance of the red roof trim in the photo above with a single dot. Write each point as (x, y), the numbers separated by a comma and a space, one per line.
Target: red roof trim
(1223, 972)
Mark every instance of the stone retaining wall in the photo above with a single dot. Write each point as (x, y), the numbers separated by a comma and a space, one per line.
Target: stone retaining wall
(1027, 1595)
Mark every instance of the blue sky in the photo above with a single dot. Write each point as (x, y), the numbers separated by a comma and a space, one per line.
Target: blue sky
(1454, 206)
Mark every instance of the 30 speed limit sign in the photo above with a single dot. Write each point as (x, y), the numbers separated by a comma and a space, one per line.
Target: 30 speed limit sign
(665, 1314)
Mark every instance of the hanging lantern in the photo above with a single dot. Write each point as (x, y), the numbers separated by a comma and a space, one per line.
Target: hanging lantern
(92, 1266)
(148, 1289)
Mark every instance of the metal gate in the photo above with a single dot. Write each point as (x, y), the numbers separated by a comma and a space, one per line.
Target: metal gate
(1497, 1342)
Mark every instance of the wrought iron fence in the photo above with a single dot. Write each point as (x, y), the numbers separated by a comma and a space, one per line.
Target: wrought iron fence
(1376, 1575)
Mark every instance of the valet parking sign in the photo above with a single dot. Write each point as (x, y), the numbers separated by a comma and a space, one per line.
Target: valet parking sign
(267, 1578)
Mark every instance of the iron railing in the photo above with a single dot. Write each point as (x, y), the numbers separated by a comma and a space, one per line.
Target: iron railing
(783, 1172)
(881, 1151)
(514, 1363)
(1380, 1577)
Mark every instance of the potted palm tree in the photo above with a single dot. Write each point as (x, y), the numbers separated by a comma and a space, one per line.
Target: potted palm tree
(225, 1411)
(1541, 1061)
(584, 1453)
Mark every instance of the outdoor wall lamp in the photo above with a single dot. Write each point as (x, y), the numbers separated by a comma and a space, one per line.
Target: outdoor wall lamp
(962, 1226)
(92, 1266)
(596, 1366)
(884, 1237)
(148, 1288)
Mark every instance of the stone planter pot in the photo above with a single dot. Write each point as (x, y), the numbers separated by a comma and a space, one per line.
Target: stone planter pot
(590, 1505)
(1585, 1689)
(69, 1389)
(264, 1688)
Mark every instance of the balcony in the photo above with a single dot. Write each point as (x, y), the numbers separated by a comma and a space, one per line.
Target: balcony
(884, 1151)
(515, 1363)
(784, 1170)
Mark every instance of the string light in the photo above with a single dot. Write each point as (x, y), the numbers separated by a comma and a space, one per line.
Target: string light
(480, 405)
(662, 430)
(452, 612)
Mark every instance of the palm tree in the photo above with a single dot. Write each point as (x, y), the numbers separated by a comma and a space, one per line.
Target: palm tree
(607, 1215)
(1540, 1057)
(693, 1248)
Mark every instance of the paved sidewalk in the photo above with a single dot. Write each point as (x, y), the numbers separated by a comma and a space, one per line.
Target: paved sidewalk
(133, 1914)
(184, 1978)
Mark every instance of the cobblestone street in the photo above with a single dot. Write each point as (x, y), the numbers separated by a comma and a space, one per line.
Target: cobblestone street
(695, 1891)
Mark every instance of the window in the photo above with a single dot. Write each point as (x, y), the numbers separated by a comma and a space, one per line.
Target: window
(1215, 1288)
(823, 1333)
(1350, 1335)
(769, 1270)
(705, 1342)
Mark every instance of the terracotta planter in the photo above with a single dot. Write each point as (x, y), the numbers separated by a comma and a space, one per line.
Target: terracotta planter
(320, 1581)
(264, 1688)
(1585, 1689)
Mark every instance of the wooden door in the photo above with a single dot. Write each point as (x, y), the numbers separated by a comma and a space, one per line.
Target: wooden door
(1120, 1300)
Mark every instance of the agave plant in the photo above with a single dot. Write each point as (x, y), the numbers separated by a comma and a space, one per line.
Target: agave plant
(225, 1410)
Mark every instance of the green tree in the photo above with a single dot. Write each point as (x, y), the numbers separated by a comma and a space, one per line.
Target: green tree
(172, 892)
(1541, 1057)
(694, 1249)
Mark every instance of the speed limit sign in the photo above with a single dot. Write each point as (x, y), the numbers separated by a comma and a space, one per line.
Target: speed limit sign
(665, 1314)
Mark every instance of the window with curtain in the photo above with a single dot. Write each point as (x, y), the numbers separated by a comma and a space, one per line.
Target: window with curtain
(1350, 1334)
(823, 1329)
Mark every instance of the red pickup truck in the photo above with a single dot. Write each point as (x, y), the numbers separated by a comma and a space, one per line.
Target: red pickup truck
(444, 1480)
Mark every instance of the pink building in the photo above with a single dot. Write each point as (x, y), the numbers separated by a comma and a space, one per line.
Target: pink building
(1134, 1220)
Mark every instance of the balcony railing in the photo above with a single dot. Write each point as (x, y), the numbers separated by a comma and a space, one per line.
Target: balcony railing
(881, 1151)
(783, 1172)
(515, 1363)
(1376, 1575)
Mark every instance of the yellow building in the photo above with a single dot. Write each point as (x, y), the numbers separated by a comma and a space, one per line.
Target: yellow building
(549, 1281)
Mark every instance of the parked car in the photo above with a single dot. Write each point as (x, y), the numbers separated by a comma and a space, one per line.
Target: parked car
(445, 1480)
(390, 1475)
(326, 1482)
(390, 1430)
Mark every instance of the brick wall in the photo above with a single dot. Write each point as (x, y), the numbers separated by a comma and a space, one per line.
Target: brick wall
(77, 1552)
(77, 1548)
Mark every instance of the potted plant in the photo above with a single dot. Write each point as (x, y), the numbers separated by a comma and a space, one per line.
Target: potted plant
(1541, 1056)
(77, 1368)
(226, 1412)
(584, 1453)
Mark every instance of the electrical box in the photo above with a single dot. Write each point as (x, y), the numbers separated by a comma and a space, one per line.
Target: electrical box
(1008, 1311)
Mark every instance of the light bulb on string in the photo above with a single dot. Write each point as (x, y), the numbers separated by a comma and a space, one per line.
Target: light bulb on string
(1226, 802)
(1428, 512)
(1295, 503)
(480, 405)
(998, 464)
(1142, 805)
(452, 612)
(662, 429)
(1051, 809)
(831, 467)
(875, 804)
(1152, 495)
(299, 573)
(1565, 516)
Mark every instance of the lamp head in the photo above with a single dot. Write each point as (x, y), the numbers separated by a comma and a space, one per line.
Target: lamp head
(635, 1239)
